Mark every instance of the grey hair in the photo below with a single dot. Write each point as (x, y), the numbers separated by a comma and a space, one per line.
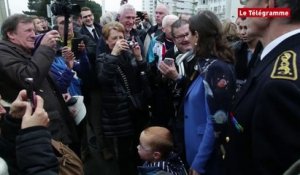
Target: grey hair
(178, 23)
(164, 6)
(107, 18)
(169, 20)
(125, 7)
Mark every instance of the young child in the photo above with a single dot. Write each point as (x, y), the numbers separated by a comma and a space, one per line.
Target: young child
(155, 149)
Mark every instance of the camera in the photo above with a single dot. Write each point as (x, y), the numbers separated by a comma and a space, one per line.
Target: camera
(64, 7)
(130, 43)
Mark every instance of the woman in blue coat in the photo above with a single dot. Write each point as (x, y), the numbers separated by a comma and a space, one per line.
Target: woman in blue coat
(209, 97)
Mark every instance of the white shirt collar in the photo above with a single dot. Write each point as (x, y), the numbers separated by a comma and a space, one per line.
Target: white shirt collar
(277, 41)
(90, 29)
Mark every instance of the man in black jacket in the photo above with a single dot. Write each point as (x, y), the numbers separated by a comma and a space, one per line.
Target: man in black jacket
(18, 62)
(127, 15)
(246, 53)
(89, 27)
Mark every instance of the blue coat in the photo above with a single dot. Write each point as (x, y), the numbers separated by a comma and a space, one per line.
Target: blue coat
(206, 106)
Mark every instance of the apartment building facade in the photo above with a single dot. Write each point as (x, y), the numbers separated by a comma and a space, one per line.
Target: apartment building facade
(224, 9)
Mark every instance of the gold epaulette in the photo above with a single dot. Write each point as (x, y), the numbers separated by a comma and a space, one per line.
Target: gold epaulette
(285, 66)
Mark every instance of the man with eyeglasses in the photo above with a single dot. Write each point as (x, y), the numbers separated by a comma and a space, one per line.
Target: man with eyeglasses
(161, 93)
(180, 77)
(264, 137)
(180, 32)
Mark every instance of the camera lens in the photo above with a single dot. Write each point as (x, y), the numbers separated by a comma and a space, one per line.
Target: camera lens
(130, 43)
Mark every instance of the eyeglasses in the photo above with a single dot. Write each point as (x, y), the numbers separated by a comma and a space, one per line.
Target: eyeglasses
(181, 37)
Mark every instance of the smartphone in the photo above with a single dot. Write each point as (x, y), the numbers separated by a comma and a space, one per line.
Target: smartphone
(74, 45)
(30, 93)
(169, 61)
(140, 15)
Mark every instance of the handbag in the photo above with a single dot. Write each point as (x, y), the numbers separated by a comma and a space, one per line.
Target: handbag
(69, 162)
(136, 101)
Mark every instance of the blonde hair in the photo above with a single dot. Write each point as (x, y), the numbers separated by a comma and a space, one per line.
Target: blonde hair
(114, 25)
(160, 139)
(230, 31)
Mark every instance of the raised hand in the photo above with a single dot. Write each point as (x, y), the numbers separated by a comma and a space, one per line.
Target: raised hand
(39, 116)
(169, 71)
(18, 107)
(119, 46)
(68, 56)
(50, 39)
(136, 50)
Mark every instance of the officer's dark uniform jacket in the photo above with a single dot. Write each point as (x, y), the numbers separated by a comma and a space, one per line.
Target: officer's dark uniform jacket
(268, 109)
(116, 119)
(16, 65)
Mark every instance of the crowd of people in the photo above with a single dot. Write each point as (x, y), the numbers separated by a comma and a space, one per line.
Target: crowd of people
(188, 95)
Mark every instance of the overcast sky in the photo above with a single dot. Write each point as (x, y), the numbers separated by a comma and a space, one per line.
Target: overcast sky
(17, 6)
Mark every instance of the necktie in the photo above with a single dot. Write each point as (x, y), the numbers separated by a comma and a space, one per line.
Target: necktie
(95, 35)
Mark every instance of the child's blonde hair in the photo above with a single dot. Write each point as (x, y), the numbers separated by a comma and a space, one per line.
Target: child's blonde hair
(160, 139)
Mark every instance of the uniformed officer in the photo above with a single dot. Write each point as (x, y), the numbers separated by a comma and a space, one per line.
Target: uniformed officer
(265, 134)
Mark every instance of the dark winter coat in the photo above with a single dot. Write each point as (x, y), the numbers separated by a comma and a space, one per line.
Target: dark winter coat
(117, 119)
(16, 65)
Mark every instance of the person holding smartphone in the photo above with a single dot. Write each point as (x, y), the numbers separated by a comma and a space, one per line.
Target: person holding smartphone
(18, 61)
(24, 134)
(71, 64)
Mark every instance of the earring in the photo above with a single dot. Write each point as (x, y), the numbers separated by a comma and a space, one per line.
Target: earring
(196, 44)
